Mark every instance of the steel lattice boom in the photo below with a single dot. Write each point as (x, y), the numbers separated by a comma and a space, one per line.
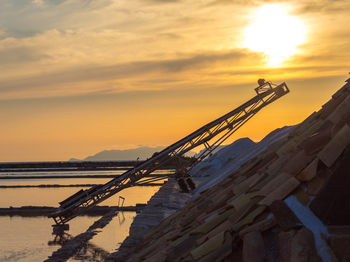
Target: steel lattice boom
(211, 136)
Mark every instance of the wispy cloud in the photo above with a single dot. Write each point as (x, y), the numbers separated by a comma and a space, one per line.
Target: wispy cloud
(80, 75)
(62, 48)
(301, 7)
(29, 17)
(20, 55)
(94, 78)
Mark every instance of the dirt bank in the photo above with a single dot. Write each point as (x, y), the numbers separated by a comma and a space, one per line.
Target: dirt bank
(164, 203)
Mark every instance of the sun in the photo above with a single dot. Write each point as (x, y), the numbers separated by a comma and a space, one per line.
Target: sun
(275, 33)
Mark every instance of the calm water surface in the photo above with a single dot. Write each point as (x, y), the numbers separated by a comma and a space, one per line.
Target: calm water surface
(31, 239)
(17, 197)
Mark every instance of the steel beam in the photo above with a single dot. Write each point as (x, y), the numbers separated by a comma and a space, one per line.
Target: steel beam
(221, 128)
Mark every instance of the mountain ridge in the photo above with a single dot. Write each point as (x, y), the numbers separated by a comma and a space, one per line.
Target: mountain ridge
(140, 153)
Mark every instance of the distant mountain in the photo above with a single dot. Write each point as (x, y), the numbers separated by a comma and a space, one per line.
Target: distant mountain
(142, 153)
(241, 149)
(74, 159)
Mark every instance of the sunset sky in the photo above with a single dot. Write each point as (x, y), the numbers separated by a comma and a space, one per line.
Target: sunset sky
(81, 76)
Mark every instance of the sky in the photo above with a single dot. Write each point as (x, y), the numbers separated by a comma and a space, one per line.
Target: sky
(81, 76)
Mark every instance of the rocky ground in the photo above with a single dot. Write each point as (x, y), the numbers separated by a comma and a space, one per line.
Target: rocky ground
(164, 203)
(288, 203)
(169, 198)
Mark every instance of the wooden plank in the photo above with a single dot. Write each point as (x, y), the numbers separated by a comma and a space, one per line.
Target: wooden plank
(335, 147)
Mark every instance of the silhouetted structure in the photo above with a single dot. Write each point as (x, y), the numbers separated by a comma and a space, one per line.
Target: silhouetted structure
(220, 129)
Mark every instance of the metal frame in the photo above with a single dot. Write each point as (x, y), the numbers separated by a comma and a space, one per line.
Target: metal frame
(225, 125)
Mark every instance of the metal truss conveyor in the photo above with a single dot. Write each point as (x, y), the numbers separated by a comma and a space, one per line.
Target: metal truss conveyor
(210, 136)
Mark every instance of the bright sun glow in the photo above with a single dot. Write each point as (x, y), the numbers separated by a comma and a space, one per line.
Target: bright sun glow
(275, 33)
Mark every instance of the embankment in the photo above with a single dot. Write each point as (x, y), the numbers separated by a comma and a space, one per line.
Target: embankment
(164, 203)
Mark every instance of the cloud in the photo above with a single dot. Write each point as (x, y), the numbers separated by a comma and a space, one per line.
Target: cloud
(38, 2)
(308, 71)
(110, 78)
(23, 18)
(177, 65)
(241, 2)
(20, 55)
(323, 6)
(164, 1)
(64, 48)
(302, 7)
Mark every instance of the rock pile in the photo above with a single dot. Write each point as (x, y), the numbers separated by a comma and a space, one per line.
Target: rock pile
(164, 203)
(289, 203)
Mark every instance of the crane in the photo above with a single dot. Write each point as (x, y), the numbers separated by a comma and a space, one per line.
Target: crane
(210, 136)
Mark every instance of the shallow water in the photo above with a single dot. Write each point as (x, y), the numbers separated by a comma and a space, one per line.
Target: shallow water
(17, 197)
(30, 238)
(73, 174)
(52, 196)
(115, 232)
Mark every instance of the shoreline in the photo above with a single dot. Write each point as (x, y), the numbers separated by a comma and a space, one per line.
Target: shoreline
(57, 185)
(166, 201)
(34, 211)
(70, 176)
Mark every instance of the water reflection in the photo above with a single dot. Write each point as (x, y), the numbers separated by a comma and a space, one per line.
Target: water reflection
(115, 232)
(25, 239)
(109, 238)
(17, 197)
(121, 218)
(89, 252)
(29, 239)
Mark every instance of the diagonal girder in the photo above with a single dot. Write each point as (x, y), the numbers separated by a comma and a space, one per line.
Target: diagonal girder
(221, 129)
